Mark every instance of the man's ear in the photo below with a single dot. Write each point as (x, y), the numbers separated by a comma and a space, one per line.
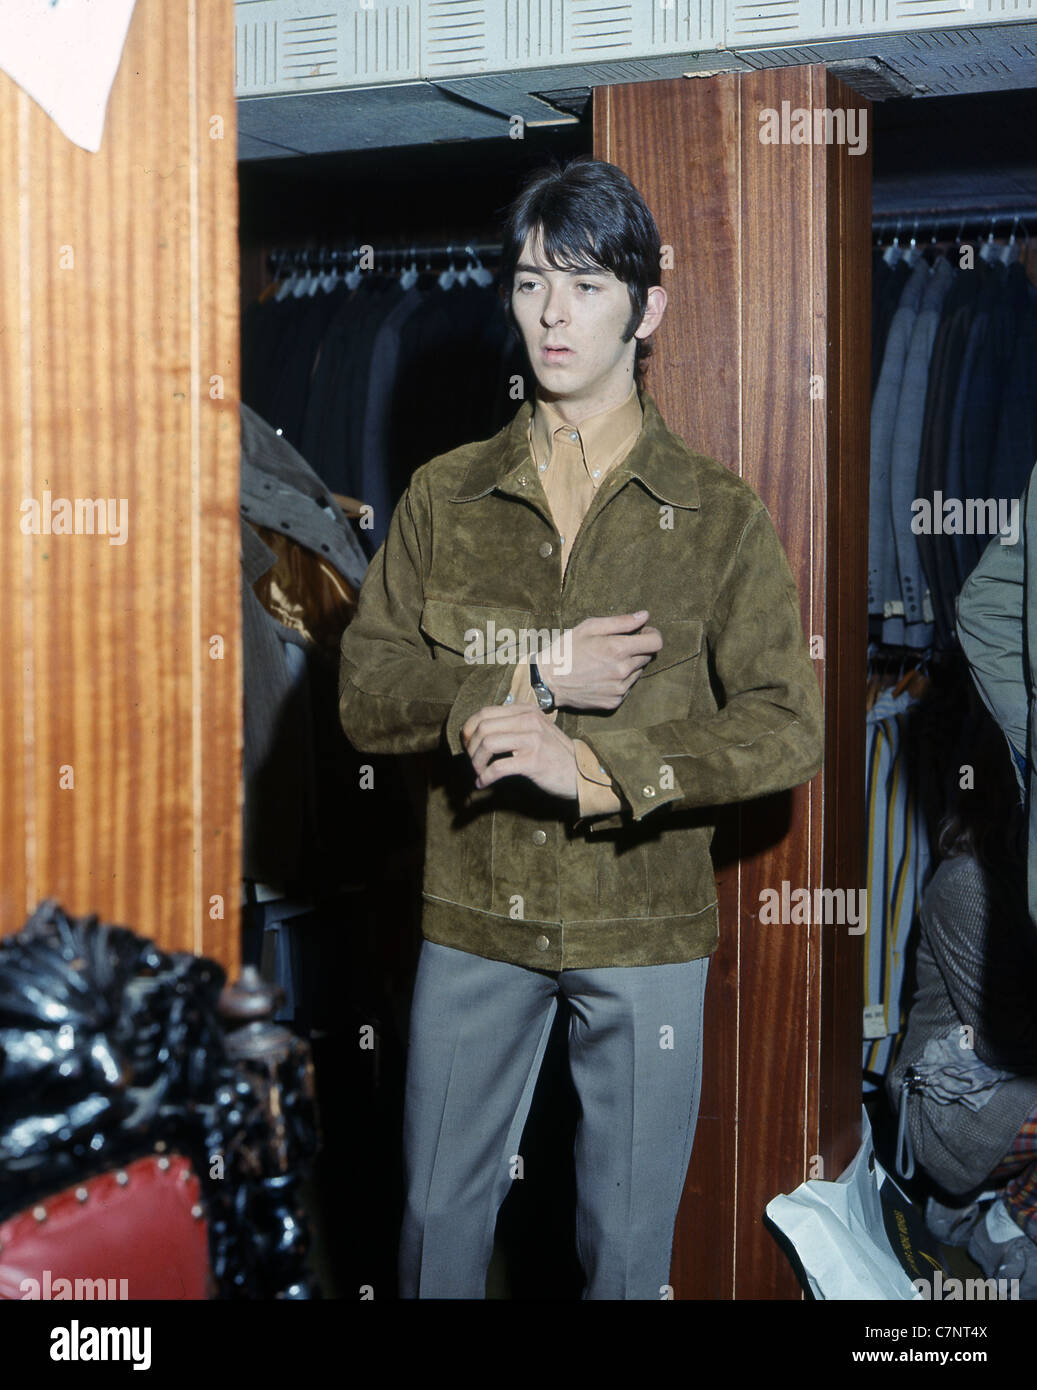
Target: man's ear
(655, 308)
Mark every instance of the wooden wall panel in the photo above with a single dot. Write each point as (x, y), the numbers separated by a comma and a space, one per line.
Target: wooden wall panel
(769, 288)
(121, 736)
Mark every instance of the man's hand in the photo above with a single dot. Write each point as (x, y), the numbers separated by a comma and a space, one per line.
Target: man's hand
(605, 661)
(539, 750)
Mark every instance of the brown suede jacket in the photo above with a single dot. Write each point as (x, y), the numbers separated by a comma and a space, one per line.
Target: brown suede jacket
(729, 709)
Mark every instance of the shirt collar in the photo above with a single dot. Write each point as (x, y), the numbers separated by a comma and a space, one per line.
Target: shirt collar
(600, 439)
(660, 459)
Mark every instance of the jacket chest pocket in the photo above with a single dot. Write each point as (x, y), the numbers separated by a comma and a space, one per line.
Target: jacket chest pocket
(477, 633)
(673, 685)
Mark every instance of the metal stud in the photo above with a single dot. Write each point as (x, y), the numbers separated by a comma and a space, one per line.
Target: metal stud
(196, 1212)
(160, 1147)
(185, 1175)
(122, 1177)
(163, 1163)
(81, 1194)
(40, 1213)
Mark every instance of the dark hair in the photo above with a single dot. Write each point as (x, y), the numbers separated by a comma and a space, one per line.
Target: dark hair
(588, 213)
(982, 819)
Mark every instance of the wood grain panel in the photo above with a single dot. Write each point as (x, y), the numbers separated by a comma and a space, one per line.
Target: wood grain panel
(761, 299)
(119, 362)
(783, 459)
(693, 376)
(848, 183)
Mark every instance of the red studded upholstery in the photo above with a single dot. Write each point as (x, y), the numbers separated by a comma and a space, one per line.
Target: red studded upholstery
(132, 1233)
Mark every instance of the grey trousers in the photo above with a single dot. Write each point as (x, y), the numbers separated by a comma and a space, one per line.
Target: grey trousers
(478, 1032)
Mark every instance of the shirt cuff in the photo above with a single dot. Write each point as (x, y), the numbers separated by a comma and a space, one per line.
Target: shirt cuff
(595, 792)
(521, 692)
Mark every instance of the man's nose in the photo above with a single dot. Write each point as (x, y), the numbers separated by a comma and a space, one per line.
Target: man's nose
(556, 308)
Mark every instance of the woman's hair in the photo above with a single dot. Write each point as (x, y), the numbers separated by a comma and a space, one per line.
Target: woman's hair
(588, 214)
(981, 816)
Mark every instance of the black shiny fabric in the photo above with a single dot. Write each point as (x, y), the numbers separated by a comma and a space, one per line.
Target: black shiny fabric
(109, 1047)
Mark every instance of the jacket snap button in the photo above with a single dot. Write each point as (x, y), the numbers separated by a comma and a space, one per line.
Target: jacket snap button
(546, 549)
(542, 943)
(649, 791)
(540, 837)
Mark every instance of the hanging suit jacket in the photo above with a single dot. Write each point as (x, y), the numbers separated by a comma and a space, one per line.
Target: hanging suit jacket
(997, 628)
(729, 709)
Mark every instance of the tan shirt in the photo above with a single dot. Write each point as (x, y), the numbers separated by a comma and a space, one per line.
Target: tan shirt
(572, 462)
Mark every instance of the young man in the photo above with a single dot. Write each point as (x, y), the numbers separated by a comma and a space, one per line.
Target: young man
(568, 832)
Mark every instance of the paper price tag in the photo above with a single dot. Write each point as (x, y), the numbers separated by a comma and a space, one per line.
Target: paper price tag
(875, 1021)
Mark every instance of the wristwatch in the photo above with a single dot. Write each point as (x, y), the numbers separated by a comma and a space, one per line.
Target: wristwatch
(545, 699)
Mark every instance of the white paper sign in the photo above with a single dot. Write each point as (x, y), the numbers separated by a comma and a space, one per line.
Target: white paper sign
(65, 54)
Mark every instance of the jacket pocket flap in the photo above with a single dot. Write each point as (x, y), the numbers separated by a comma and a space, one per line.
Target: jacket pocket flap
(682, 639)
(476, 629)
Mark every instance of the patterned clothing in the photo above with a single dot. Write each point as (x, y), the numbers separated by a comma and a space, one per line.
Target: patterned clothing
(1020, 1192)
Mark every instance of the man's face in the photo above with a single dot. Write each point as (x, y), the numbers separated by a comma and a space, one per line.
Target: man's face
(572, 321)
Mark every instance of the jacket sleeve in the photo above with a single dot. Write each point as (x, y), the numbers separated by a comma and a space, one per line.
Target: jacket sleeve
(393, 697)
(990, 629)
(768, 734)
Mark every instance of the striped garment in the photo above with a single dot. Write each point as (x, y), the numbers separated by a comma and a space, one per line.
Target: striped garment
(1020, 1192)
(897, 872)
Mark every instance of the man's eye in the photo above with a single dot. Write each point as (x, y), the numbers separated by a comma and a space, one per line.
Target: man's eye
(586, 285)
(523, 283)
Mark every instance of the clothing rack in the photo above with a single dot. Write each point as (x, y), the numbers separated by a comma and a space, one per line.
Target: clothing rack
(966, 223)
(400, 255)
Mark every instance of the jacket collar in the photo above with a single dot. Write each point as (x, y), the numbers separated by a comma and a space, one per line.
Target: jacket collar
(659, 459)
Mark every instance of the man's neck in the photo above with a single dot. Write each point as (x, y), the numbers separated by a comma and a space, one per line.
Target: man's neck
(574, 410)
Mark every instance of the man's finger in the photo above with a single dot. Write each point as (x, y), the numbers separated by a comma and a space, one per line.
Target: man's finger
(622, 622)
(491, 712)
(501, 743)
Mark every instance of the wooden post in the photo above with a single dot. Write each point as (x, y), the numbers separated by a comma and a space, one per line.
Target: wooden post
(762, 363)
(120, 688)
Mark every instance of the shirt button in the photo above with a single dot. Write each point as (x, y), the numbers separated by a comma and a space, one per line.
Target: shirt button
(546, 549)
(543, 468)
(596, 473)
(540, 837)
(542, 943)
(574, 434)
(648, 791)
(508, 699)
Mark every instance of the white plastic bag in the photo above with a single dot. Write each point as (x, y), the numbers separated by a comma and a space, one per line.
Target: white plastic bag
(838, 1232)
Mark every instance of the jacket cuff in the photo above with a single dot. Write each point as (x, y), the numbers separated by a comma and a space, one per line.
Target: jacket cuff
(487, 685)
(644, 780)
